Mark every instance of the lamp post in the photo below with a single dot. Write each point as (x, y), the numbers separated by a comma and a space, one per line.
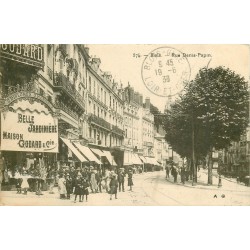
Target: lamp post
(219, 172)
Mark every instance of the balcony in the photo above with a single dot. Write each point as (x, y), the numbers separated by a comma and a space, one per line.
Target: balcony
(62, 83)
(66, 109)
(99, 121)
(117, 131)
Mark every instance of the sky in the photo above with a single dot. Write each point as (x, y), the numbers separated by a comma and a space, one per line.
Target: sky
(125, 62)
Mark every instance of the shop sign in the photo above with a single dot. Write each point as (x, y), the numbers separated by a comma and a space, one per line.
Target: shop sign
(30, 131)
(31, 54)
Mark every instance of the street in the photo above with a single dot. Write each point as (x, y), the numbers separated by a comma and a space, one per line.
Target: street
(150, 189)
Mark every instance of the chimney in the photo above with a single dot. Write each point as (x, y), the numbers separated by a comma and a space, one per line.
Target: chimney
(141, 99)
(147, 103)
(137, 98)
(132, 98)
(96, 62)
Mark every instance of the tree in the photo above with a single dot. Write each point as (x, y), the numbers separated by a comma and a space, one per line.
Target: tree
(216, 104)
(158, 120)
(221, 98)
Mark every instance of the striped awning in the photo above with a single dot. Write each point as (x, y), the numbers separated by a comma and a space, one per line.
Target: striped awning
(74, 150)
(87, 153)
(110, 158)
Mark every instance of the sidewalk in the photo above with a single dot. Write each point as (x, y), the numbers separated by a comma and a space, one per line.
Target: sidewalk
(227, 185)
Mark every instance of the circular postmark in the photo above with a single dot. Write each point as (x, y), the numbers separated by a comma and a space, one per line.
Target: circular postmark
(165, 71)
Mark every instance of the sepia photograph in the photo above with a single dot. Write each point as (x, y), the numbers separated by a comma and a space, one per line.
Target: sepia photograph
(124, 125)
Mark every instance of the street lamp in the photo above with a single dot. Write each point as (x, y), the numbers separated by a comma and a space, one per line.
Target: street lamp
(219, 172)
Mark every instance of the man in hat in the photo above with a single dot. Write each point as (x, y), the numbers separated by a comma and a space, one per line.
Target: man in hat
(130, 179)
(69, 185)
(121, 179)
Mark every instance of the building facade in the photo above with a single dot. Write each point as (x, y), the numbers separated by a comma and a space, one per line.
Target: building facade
(133, 105)
(29, 117)
(72, 113)
(105, 111)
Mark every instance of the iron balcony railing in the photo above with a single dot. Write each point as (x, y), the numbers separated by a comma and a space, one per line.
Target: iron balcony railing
(117, 130)
(62, 82)
(99, 121)
(66, 109)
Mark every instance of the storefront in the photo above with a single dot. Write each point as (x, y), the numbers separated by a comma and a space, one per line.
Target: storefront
(29, 133)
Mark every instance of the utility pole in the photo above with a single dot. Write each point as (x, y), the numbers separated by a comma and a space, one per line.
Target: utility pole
(194, 179)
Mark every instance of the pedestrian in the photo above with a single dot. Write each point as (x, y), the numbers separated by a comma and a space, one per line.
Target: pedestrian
(85, 173)
(19, 181)
(25, 184)
(62, 186)
(121, 179)
(98, 177)
(69, 186)
(130, 179)
(6, 177)
(38, 181)
(78, 188)
(107, 180)
(167, 171)
(113, 186)
(93, 182)
(183, 175)
(85, 185)
(174, 173)
(2, 168)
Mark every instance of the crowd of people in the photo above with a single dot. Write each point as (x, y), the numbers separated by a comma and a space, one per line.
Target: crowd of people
(175, 171)
(81, 182)
(70, 181)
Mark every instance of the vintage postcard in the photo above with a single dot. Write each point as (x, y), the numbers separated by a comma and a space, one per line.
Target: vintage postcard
(124, 125)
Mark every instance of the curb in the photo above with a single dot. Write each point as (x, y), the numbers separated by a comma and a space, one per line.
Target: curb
(206, 188)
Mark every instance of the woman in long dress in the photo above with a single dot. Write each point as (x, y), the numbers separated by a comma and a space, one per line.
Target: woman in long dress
(107, 179)
(130, 179)
(93, 182)
(61, 187)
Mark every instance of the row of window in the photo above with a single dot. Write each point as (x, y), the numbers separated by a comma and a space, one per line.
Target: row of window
(101, 112)
(102, 138)
(102, 95)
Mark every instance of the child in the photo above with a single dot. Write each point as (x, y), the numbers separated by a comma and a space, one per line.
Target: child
(18, 182)
(68, 186)
(25, 184)
(85, 185)
(78, 188)
(113, 186)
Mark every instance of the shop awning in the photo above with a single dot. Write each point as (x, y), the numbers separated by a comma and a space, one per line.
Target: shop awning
(74, 150)
(87, 153)
(110, 158)
(152, 161)
(136, 160)
(143, 158)
(97, 152)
